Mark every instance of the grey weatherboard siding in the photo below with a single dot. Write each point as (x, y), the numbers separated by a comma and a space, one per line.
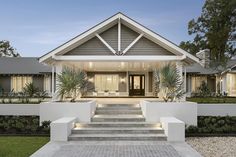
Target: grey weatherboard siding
(95, 47)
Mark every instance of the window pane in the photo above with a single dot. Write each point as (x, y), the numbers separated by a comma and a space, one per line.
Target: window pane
(106, 82)
(136, 82)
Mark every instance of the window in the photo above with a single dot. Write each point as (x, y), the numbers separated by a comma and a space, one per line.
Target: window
(47, 83)
(106, 82)
(19, 82)
(231, 84)
(197, 81)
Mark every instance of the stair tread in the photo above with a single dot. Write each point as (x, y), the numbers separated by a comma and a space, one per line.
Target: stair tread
(118, 116)
(119, 128)
(117, 135)
(120, 123)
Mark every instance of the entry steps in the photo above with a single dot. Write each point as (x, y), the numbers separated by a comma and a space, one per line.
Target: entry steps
(118, 122)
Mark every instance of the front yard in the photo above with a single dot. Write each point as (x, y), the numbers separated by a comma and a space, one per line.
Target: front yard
(212, 100)
(214, 146)
(20, 146)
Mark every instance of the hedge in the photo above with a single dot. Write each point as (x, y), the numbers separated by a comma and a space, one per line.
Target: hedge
(23, 125)
(213, 125)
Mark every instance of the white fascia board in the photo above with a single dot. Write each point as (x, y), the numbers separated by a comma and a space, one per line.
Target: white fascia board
(119, 58)
(159, 38)
(78, 38)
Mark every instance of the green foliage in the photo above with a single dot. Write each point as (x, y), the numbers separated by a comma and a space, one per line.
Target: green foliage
(6, 50)
(30, 90)
(215, 30)
(213, 125)
(203, 90)
(71, 83)
(171, 83)
(156, 82)
(23, 125)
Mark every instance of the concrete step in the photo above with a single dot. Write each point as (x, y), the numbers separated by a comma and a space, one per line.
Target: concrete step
(114, 112)
(118, 105)
(117, 137)
(118, 118)
(118, 124)
(120, 130)
(118, 108)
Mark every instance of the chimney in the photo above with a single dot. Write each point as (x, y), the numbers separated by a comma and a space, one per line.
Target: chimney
(204, 56)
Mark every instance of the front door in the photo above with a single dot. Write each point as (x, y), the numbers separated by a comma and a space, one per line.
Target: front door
(136, 85)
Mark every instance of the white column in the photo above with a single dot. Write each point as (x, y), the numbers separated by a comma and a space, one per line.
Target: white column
(185, 79)
(53, 71)
(179, 66)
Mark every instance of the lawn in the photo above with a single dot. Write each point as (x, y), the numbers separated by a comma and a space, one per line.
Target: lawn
(20, 146)
(212, 100)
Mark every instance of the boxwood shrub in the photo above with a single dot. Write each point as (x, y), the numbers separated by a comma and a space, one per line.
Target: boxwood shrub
(23, 125)
(213, 125)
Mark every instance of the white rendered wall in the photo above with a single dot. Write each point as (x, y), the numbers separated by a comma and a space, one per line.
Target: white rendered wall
(216, 109)
(60, 129)
(19, 109)
(83, 111)
(184, 111)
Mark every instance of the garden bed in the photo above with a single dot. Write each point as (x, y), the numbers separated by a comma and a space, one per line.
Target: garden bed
(212, 100)
(23, 125)
(213, 126)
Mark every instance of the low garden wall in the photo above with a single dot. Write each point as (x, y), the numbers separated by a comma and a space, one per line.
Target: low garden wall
(19, 109)
(184, 111)
(82, 110)
(217, 109)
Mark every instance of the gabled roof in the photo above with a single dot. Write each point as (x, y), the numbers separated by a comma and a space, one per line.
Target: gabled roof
(110, 22)
(22, 65)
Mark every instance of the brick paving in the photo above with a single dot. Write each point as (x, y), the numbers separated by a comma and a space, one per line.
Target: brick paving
(159, 150)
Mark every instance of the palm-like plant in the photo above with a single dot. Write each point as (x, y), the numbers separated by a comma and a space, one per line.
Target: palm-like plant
(70, 83)
(30, 89)
(171, 83)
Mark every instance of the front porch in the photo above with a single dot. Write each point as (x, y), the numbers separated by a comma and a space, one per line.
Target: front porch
(119, 79)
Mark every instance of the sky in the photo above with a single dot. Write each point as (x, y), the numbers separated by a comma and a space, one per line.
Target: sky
(36, 27)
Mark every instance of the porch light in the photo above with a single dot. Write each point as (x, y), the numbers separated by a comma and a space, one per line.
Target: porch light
(122, 80)
(90, 79)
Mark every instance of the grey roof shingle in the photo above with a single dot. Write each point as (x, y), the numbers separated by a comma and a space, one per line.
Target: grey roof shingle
(22, 65)
(197, 68)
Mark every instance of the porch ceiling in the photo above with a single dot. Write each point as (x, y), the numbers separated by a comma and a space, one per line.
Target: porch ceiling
(115, 66)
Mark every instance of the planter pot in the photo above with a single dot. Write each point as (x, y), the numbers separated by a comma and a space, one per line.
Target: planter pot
(184, 111)
(83, 110)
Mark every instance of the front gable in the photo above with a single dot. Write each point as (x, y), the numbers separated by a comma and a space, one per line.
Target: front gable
(118, 36)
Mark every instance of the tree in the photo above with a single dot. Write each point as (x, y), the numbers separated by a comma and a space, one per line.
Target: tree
(6, 50)
(215, 30)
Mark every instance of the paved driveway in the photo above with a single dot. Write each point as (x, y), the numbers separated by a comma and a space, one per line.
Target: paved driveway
(116, 149)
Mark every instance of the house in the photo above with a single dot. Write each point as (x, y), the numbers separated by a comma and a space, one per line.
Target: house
(15, 73)
(119, 56)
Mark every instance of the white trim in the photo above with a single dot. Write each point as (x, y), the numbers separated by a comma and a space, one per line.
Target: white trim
(159, 38)
(132, 44)
(78, 38)
(119, 58)
(149, 34)
(106, 44)
(119, 35)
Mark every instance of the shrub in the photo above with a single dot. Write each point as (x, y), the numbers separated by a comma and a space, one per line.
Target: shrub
(23, 125)
(213, 124)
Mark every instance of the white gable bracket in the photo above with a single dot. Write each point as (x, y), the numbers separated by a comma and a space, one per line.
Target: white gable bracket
(132, 44)
(106, 44)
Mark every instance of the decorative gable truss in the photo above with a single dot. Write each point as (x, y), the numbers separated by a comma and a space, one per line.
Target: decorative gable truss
(118, 35)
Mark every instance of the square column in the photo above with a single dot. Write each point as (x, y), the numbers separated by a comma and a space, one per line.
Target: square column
(179, 66)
